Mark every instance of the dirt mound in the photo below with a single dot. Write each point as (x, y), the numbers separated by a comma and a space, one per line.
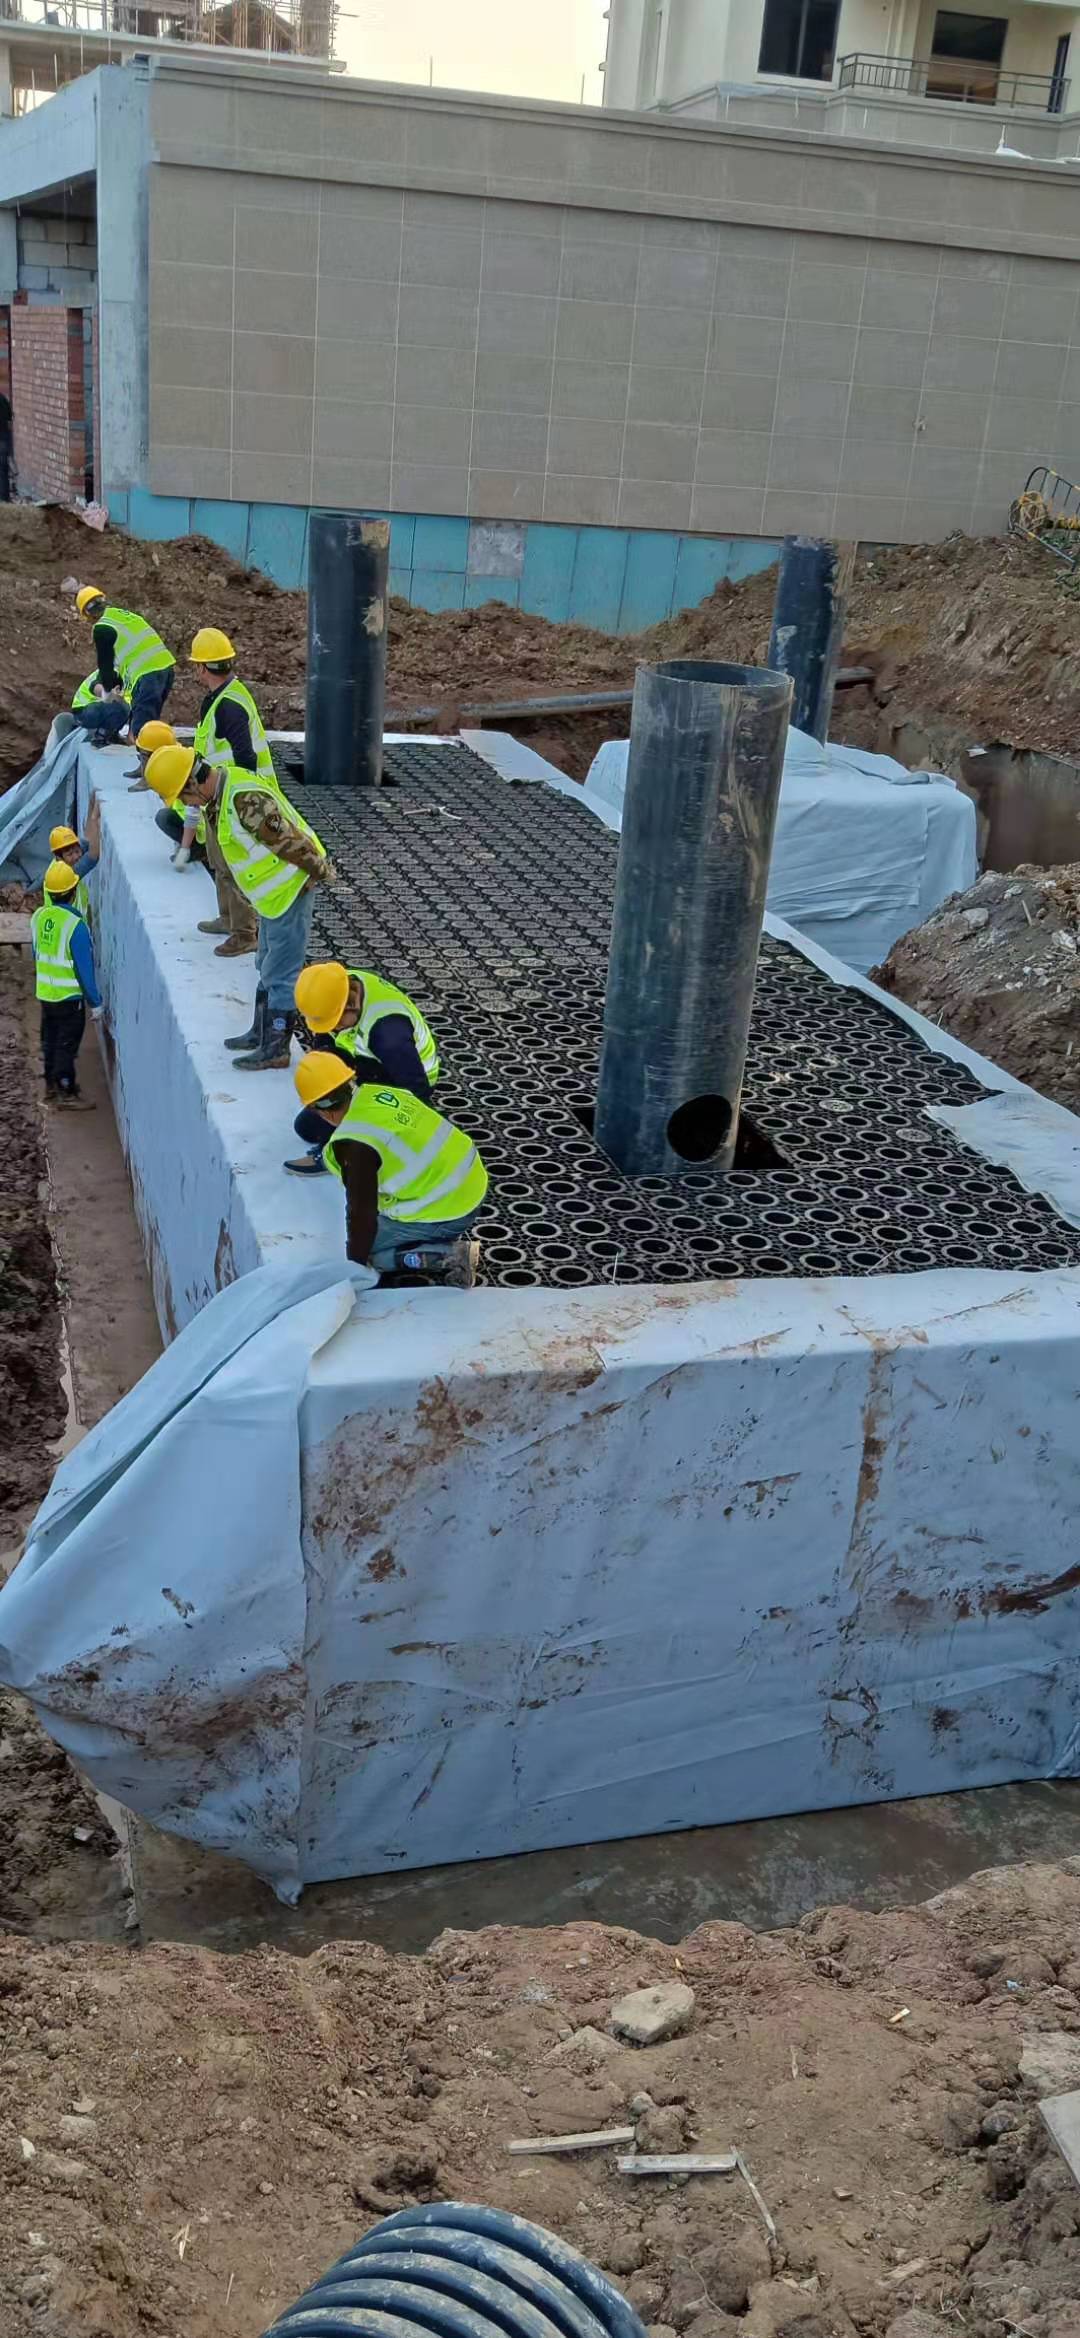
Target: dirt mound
(980, 635)
(189, 2139)
(999, 967)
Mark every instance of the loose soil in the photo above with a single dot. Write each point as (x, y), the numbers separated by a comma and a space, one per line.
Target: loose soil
(999, 967)
(981, 635)
(209, 2133)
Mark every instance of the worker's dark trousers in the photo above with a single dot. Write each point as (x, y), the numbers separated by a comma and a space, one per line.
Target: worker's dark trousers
(63, 1022)
(5, 470)
(105, 719)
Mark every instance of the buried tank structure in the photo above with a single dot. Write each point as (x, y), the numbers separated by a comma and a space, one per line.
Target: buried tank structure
(744, 1484)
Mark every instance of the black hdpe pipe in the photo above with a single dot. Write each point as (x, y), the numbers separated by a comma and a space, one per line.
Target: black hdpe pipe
(458, 2272)
(702, 787)
(348, 569)
(808, 625)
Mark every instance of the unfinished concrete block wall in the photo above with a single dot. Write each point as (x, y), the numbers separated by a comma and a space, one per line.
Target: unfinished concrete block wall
(485, 309)
(57, 257)
(48, 401)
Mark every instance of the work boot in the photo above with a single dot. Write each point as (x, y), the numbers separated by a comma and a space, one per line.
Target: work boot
(141, 787)
(73, 1102)
(51, 1091)
(460, 1264)
(213, 925)
(235, 948)
(309, 1164)
(273, 1051)
(253, 1037)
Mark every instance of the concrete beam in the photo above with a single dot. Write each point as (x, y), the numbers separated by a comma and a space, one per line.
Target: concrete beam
(51, 147)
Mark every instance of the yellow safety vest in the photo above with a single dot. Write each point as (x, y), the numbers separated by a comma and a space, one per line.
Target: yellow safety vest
(383, 998)
(139, 650)
(80, 900)
(217, 750)
(428, 1169)
(51, 929)
(84, 695)
(269, 883)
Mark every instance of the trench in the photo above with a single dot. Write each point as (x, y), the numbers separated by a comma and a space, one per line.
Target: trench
(73, 1870)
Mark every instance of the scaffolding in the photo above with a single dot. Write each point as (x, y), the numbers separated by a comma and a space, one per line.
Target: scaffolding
(300, 28)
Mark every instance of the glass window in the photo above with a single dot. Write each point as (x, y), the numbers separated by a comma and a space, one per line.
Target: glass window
(981, 39)
(798, 37)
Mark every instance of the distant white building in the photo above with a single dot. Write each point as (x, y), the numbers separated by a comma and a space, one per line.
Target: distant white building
(671, 52)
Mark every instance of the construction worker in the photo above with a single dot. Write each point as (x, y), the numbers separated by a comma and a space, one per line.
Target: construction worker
(66, 984)
(362, 1017)
(229, 731)
(148, 737)
(80, 854)
(413, 1182)
(90, 693)
(132, 658)
(275, 859)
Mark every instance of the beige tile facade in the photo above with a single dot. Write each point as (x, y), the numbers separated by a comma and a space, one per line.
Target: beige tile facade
(457, 307)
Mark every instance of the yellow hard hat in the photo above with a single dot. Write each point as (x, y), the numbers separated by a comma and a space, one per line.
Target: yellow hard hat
(210, 647)
(155, 734)
(169, 769)
(86, 596)
(61, 838)
(317, 1075)
(59, 878)
(321, 995)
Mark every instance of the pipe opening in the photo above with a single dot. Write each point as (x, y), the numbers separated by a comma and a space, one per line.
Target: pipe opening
(697, 1130)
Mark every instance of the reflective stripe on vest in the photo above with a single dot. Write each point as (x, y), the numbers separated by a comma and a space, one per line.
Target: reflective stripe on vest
(269, 883)
(428, 1169)
(51, 929)
(383, 998)
(139, 650)
(84, 695)
(215, 749)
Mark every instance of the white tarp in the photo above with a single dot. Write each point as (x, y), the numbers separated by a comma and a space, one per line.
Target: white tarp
(44, 799)
(864, 850)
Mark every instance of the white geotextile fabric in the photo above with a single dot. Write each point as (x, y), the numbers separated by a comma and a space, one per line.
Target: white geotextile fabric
(864, 850)
(44, 799)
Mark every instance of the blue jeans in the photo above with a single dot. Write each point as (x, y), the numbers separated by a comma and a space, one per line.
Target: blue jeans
(393, 1237)
(281, 951)
(105, 719)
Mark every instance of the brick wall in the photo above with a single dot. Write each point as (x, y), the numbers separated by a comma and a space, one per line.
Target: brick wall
(48, 401)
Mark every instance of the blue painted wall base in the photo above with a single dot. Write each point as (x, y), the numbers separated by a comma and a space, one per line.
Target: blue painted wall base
(620, 579)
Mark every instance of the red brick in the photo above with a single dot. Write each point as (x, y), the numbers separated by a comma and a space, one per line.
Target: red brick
(48, 401)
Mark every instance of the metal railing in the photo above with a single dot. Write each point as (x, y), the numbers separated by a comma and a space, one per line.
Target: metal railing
(1048, 513)
(961, 79)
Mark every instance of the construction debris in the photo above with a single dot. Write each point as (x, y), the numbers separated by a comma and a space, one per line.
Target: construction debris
(601, 2139)
(647, 2016)
(680, 2163)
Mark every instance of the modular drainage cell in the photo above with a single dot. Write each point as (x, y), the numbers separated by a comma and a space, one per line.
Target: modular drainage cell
(490, 902)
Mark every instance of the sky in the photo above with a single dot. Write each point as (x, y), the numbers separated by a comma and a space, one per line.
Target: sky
(537, 50)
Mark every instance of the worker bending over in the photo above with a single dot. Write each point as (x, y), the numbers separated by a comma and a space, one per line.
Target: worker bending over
(229, 732)
(413, 1182)
(66, 984)
(131, 658)
(361, 1016)
(80, 854)
(275, 859)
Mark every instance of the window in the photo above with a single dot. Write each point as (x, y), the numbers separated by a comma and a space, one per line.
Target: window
(798, 37)
(966, 56)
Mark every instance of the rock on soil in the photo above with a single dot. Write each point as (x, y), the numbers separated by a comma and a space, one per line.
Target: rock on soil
(999, 967)
(978, 635)
(241, 2119)
(647, 2016)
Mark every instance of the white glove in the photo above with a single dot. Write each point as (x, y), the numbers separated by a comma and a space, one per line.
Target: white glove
(96, 1014)
(99, 690)
(181, 857)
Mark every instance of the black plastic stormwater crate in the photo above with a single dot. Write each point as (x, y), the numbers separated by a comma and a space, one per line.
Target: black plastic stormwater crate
(490, 902)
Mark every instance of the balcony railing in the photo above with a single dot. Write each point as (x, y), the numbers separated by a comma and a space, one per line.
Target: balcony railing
(960, 79)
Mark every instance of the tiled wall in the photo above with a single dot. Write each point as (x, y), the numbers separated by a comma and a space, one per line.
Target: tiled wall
(391, 301)
(57, 258)
(619, 579)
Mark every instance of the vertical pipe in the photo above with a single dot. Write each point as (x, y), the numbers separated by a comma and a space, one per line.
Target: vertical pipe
(348, 565)
(702, 787)
(808, 625)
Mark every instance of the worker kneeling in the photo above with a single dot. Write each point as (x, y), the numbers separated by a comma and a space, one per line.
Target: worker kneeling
(413, 1182)
(376, 1027)
(275, 859)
